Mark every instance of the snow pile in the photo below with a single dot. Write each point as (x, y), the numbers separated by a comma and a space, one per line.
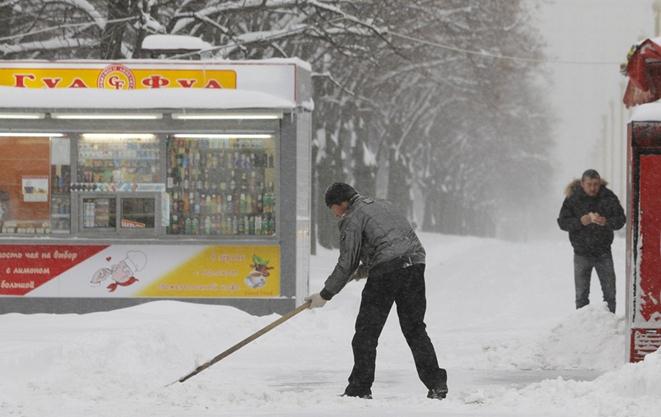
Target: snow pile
(633, 389)
(589, 338)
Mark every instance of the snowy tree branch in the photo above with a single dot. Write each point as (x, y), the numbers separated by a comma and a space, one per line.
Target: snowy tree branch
(48, 45)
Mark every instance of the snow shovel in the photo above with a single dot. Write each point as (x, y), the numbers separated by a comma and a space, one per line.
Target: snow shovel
(244, 342)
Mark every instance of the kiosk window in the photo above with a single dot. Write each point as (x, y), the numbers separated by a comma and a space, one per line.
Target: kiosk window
(120, 159)
(138, 213)
(24, 185)
(99, 213)
(221, 185)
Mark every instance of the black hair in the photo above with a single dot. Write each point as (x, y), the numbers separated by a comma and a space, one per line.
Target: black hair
(590, 173)
(338, 193)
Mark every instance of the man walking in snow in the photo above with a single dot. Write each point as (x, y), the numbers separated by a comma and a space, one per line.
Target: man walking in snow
(590, 213)
(393, 260)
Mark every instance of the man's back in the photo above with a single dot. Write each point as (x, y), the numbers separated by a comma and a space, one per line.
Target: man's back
(386, 234)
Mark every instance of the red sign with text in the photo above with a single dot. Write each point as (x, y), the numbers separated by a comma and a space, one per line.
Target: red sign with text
(26, 267)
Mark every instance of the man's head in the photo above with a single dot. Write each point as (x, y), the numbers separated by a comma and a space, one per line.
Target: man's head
(337, 197)
(591, 182)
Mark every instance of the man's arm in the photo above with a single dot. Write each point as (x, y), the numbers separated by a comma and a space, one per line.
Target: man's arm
(567, 220)
(617, 219)
(350, 243)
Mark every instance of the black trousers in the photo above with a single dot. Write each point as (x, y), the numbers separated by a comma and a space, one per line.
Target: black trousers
(406, 288)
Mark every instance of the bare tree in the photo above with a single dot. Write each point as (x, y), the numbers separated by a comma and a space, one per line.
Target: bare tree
(415, 100)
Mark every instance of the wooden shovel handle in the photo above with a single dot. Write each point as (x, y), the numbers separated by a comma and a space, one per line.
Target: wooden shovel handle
(247, 340)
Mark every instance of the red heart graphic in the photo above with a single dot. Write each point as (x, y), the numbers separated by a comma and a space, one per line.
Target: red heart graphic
(108, 258)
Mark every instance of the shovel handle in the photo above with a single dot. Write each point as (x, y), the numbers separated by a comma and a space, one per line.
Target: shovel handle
(245, 341)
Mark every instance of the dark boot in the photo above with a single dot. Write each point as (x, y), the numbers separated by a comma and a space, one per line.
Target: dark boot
(438, 393)
(365, 394)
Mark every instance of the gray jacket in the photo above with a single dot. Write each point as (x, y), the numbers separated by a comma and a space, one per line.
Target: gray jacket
(371, 232)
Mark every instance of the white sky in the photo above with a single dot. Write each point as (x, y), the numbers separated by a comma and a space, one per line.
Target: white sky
(590, 30)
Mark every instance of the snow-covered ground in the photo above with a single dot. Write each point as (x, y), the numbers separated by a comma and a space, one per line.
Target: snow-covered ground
(500, 315)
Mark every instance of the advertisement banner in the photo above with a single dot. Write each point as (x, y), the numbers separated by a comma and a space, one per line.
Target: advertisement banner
(26, 268)
(643, 342)
(117, 77)
(159, 271)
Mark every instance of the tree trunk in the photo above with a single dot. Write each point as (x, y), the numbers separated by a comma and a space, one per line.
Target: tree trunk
(6, 14)
(398, 190)
(113, 34)
(363, 174)
(140, 35)
(428, 220)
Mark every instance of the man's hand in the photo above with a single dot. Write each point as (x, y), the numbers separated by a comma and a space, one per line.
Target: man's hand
(316, 300)
(360, 273)
(592, 217)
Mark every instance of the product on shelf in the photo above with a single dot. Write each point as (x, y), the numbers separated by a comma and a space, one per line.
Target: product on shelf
(221, 187)
(25, 227)
(60, 199)
(98, 213)
(118, 161)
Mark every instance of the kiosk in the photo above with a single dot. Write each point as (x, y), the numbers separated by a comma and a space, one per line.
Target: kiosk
(643, 298)
(126, 182)
(643, 302)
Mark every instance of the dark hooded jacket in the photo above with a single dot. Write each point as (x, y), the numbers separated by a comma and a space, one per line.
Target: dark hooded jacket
(593, 239)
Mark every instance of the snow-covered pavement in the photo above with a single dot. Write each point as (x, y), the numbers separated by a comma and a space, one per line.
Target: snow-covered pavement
(499, 313)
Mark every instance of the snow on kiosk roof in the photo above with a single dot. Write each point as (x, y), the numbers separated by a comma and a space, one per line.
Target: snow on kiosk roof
(131, 181)
(649, 112)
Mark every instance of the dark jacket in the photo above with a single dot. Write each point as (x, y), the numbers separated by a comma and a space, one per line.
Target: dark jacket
(593, 239)
(371, 232)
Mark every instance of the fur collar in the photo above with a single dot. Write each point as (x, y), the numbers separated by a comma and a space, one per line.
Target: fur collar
(575, 185)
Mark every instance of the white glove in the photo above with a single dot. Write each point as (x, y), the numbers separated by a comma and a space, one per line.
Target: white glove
(316, 300)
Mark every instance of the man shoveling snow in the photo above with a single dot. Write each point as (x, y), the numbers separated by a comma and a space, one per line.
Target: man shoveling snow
(393, 260)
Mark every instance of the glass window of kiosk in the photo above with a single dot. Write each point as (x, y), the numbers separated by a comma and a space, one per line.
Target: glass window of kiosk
(221, 184)
(121, 213)
(118, 161)
(34, 178)
(119, 184)
(137, 184)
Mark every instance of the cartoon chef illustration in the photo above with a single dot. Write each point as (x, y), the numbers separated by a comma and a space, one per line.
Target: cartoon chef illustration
(123, 272)
(260, 271)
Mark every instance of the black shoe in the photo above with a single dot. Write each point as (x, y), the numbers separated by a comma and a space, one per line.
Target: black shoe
(359, 393)
(363, 396)
(438, 393)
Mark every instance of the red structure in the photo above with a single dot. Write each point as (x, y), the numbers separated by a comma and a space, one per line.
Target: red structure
(644, 238)
(644, 71)
(643, 306)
